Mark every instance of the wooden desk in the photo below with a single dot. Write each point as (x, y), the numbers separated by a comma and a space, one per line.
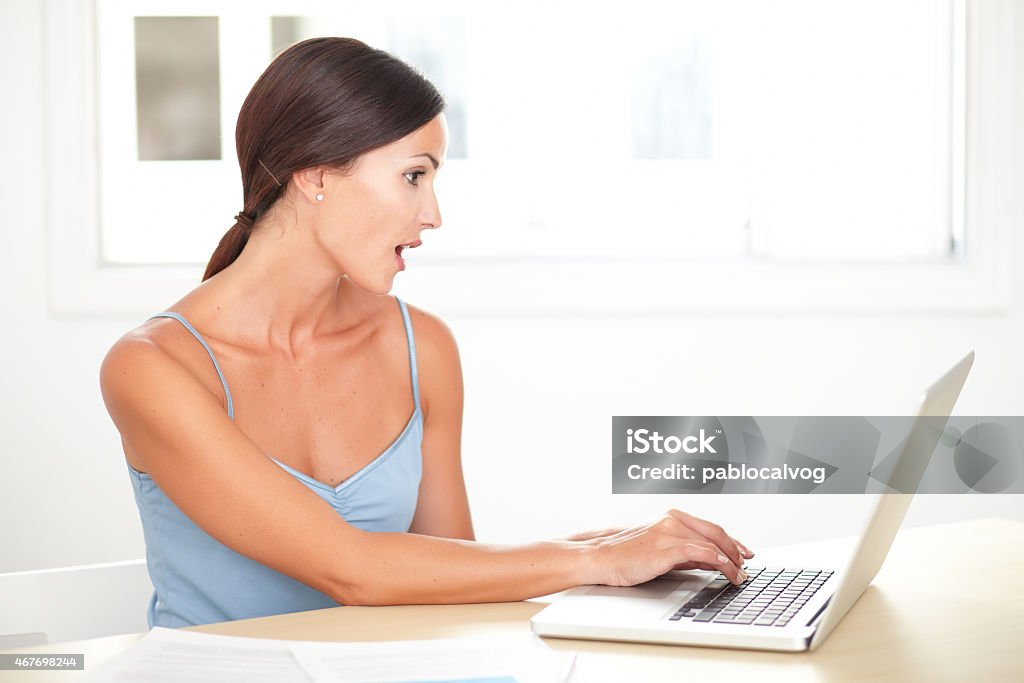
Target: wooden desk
(948, 605)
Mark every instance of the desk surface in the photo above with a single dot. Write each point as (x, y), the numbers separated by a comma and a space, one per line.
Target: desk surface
(948, 605)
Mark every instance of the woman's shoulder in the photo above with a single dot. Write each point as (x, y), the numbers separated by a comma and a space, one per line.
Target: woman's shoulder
(139, 368)
(437, 356)
(156, 340)
(159, 350)
(146, 376)
(433, 336)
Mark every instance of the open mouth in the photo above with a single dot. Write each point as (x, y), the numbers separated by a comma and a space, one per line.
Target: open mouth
(400, 248)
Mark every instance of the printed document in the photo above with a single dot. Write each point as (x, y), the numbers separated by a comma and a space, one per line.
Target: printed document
(173, 656)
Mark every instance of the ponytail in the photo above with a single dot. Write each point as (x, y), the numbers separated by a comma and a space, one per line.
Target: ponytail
(235, 239)
(230, 245)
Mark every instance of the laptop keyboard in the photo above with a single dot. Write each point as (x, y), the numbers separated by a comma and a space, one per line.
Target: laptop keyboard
(769, 597)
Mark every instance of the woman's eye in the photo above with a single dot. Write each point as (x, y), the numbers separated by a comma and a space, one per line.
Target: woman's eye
(413, 176)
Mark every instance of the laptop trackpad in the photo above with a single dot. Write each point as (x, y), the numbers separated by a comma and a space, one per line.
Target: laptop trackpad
(655, 589)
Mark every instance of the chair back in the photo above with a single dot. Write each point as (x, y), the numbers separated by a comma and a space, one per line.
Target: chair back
(73, 603)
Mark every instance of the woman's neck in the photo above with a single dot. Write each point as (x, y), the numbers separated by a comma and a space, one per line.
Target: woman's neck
(280, 294)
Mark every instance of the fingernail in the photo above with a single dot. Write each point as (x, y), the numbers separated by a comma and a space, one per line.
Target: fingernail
(723, 559)
(743, 575)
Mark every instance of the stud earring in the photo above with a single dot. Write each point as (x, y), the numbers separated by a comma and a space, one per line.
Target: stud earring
(319, 197)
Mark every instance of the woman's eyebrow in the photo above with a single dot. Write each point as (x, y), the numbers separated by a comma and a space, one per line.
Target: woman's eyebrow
(429, 156)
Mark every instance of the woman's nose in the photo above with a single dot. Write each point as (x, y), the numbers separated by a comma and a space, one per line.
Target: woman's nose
(431, 217)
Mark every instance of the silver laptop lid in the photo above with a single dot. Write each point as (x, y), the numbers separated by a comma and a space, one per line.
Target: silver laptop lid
(890, 509)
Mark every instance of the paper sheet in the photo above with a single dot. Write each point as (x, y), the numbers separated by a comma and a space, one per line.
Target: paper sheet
(172, 656)
(448, 661)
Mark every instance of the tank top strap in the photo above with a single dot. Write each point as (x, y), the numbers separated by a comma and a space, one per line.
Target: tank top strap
(216, 365)
(412, 354)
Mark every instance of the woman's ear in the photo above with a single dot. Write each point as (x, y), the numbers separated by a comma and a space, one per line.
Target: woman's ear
(309, 182)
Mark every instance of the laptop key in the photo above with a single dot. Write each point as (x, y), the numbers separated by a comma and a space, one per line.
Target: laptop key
(706, 595)
(735, 620)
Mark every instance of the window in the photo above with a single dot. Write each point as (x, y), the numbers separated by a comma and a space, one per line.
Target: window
(743, 146)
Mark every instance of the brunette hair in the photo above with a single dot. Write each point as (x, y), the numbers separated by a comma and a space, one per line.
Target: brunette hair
(321, 102)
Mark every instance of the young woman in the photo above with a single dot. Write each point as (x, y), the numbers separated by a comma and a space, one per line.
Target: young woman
(292, 432)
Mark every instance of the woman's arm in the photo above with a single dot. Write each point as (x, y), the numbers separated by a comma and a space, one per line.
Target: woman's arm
(197, 456)
(443, 507)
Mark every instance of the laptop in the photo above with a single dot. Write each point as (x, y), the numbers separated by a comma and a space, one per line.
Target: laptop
(776, 608)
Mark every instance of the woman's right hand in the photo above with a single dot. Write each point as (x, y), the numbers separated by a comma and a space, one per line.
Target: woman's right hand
(675, 540)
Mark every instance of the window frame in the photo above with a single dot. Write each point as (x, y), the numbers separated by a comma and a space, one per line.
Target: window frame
(80, 284)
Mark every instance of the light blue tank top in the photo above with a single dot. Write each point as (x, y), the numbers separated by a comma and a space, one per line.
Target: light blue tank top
(198, 580)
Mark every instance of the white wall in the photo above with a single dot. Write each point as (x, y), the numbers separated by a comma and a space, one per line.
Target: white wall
(539, 391)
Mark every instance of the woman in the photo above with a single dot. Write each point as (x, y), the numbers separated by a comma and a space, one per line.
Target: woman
(328, 469)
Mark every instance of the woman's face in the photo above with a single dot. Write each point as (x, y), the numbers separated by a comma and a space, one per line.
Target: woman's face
(371, 215)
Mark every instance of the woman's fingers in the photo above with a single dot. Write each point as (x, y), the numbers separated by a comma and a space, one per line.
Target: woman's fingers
(686, 566)
(707, 554)
(713, 533)
(744, 551)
